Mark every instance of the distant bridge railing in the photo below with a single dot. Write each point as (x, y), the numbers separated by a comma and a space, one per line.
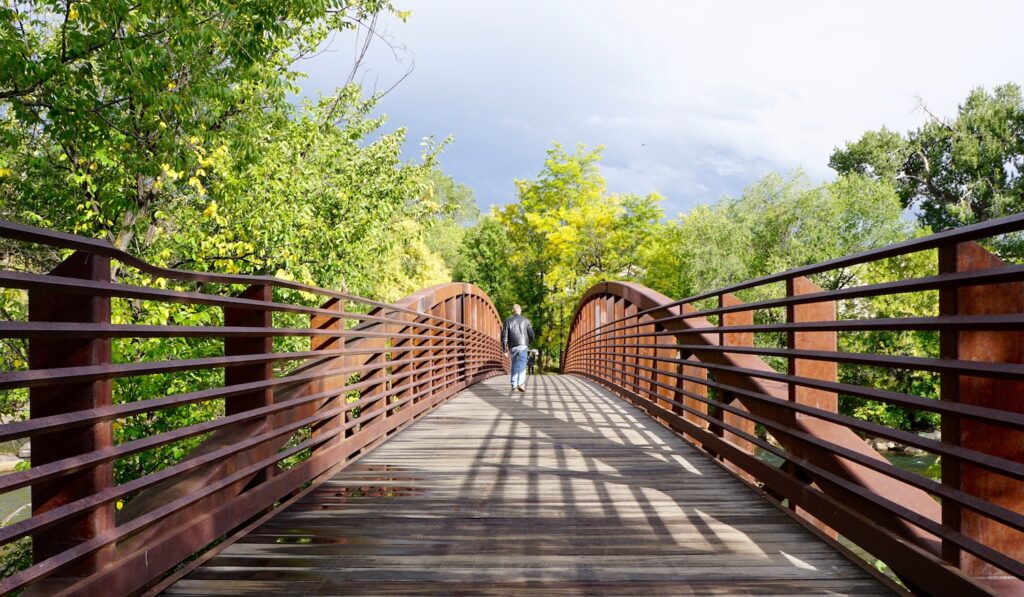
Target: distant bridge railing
(757, 383)
(365, 369)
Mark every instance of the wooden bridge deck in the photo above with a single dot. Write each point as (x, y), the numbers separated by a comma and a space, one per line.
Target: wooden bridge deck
(563, 490)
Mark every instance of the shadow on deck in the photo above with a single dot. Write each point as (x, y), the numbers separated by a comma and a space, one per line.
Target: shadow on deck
(563, 490)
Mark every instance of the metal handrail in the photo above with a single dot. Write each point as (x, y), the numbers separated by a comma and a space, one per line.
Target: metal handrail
(709, 380)
(356, 385)
(946, 238)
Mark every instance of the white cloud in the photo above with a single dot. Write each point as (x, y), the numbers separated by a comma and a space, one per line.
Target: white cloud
(692, 99)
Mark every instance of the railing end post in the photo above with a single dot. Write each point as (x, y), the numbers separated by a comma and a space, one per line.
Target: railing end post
(50, 305)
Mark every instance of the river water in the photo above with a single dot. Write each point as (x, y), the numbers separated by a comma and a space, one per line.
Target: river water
(12, 500)
(921, 465)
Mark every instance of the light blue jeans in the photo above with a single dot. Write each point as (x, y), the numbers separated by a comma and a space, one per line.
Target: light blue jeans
(519, 357)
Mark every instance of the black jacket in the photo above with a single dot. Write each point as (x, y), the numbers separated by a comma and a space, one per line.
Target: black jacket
(516, 331)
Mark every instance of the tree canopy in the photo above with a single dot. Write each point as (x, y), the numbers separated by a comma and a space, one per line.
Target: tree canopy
(953, 171)
(173, 129)
(566, 232)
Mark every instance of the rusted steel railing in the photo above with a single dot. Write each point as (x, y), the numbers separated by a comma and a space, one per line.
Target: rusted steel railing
(366, 370)
(757, 383)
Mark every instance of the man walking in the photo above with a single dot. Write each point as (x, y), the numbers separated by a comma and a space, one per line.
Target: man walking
(516, 335)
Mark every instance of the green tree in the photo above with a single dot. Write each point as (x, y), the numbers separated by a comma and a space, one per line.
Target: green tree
(697, 251)
(166, 128)
(566, 232)
(486, 260)
(778, 223)
(456, 212)
(954, 171)
(920, 343)
(104, 100)
(572, 232)
(335, 206)
(781, 223)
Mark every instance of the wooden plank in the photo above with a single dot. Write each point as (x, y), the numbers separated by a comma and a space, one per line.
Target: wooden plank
(562, 490)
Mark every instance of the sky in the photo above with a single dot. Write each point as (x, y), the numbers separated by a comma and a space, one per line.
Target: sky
(692, 100)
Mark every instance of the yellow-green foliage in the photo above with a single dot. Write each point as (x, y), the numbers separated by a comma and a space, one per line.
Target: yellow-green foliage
(566, 232)
(181, 144)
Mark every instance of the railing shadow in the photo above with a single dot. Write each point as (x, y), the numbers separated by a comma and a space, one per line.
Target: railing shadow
(564, 488)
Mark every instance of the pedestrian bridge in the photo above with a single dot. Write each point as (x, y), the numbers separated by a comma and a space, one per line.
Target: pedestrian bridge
(563, 490)
(689, 446)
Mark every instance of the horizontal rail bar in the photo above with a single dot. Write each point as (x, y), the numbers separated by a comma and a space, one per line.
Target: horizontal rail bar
(1001, 275)
(33, 234)
(964, 323)
(988, 229)
(60, 467)
(859, 528)
(935, 365)
(29, 427)
(55, 376)
(1002, 515)
(51, 517)
(82, 550)
(981, 414)
(29, 281)
(995, 464)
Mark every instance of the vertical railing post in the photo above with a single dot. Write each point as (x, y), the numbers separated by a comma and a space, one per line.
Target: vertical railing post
(607, 336)
(333, 324)
(629, 346)
(584, 353)
(565, 359)
(404, 375)
(569, 360)
(439, 339)
(413, 352)
(949, 391)
(693, 387)
(451, 355)
(253, 372)
(580, 358)
(648, 352)
(596, 338)
(643, 357)
(814, 369)
(480, 319)
(987, 346)
(48, 305)
(485, 323)
(667, 371)
(821, 341)
(597, 359)
(618, 345)
(373, 372)
(715, 413)
(467, 315)
(744, 339)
